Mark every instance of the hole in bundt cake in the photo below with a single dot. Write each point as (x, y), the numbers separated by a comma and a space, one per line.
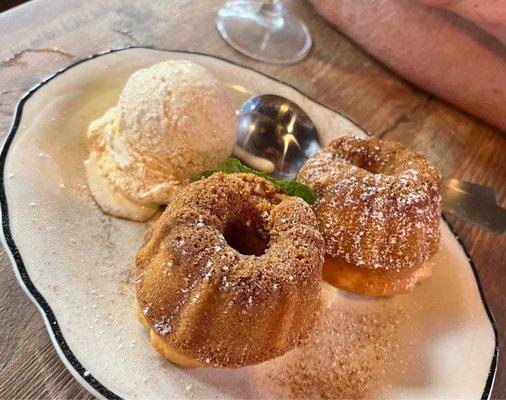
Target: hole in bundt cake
(247, 239)
(372, 160)
(370, 165)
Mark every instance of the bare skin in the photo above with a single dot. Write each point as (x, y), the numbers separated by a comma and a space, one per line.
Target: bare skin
(452, 48)
(489, 15)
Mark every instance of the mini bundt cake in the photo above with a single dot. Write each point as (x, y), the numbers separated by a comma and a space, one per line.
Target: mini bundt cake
(378, 207)
(230, 275)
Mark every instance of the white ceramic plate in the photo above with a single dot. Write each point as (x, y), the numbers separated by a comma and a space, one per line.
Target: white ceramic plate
(75, 264)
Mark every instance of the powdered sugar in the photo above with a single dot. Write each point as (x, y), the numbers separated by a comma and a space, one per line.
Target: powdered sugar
(378, 205)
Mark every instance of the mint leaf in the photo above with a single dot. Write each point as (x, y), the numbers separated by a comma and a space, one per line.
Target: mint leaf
(233, 165)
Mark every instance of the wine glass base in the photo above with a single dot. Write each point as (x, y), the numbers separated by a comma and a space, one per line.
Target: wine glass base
(243, 27)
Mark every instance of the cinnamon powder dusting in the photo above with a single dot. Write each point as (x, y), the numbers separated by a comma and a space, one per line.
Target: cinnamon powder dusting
(346, 357)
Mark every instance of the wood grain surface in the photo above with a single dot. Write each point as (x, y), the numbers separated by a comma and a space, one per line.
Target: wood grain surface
(43, 36)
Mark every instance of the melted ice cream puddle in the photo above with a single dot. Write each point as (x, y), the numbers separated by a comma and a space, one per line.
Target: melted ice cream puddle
(113, 202)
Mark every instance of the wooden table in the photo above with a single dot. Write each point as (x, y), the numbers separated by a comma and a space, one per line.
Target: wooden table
(42, 36)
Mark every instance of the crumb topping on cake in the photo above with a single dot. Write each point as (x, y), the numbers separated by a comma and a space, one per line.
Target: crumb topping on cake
(231, 273)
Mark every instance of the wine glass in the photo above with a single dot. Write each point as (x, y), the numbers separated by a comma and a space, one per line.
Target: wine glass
(263, 30)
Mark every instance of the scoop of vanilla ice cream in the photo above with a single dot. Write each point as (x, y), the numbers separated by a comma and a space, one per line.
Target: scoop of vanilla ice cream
(172, 121)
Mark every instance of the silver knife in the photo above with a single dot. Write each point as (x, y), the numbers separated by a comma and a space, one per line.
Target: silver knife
(474, 203)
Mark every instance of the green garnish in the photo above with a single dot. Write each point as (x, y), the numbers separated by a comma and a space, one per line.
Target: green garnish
(233, 165)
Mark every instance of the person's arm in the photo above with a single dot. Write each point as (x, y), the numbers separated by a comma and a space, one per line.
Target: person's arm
(437, 50)
(489, 15)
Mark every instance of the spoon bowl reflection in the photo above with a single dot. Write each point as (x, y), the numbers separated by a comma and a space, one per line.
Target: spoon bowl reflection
(278, 130)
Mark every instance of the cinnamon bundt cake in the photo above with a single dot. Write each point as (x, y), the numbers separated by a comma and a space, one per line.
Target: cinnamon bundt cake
(230, 275)
(378, 207)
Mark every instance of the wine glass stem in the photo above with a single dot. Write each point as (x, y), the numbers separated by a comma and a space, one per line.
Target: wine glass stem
(272, 12)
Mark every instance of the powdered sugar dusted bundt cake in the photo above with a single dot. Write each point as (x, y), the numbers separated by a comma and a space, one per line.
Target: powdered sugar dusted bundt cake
(230, 275)
(378, 207)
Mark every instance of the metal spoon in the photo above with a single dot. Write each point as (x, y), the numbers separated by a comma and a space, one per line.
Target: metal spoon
(276, 136)
(274, 128)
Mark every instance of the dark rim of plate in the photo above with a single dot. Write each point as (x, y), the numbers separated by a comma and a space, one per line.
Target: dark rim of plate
(52, 323)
